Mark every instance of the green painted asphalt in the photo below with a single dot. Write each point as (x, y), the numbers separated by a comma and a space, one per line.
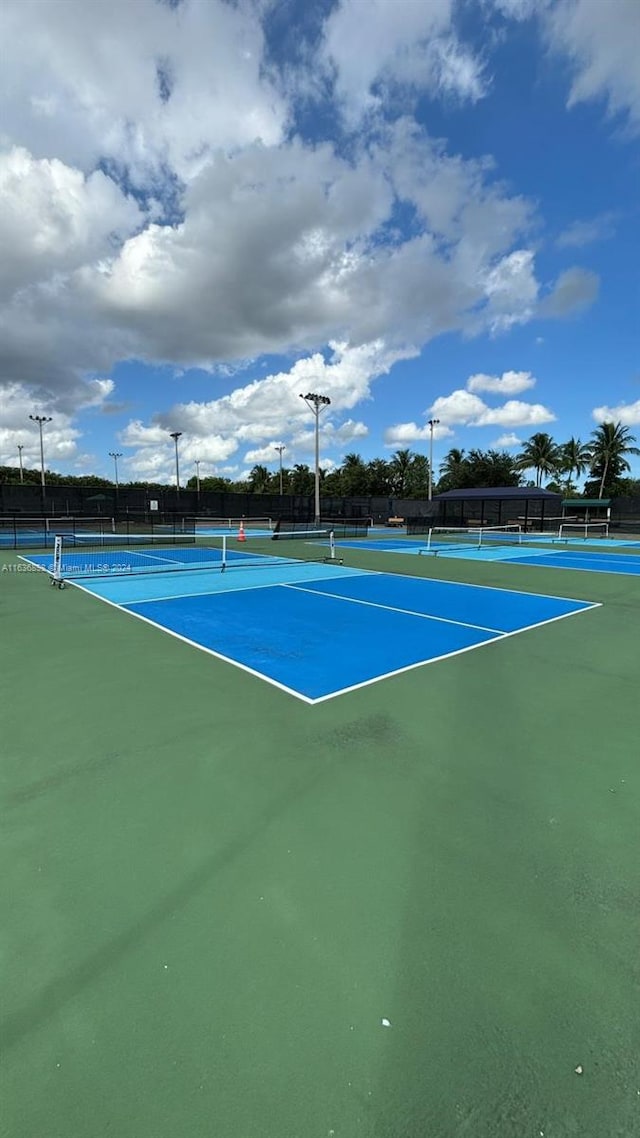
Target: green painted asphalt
(213, 895)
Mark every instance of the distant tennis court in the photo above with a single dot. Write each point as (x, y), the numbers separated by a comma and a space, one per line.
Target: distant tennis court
(516, 548)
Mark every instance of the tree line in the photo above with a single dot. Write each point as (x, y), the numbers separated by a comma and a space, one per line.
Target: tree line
(604, 458)
(406, 475)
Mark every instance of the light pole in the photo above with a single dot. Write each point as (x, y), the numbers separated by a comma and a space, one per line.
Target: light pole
(40, 419)
(20, 450)
(316, 403)
(175, 435)
(280, 450)
(432, 423)
(115, 455)
(196, 463)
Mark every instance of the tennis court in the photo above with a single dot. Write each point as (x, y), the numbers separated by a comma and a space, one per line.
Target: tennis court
(316, 631)
(408, 911)
(533, 550)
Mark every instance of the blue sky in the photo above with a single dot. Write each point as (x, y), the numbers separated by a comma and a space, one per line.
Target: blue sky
(420, 208)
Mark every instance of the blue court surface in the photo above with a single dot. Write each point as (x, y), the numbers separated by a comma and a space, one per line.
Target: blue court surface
(319, 631)
(550, 556)
(589, 562)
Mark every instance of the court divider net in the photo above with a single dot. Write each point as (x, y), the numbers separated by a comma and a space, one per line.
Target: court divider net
(583, 529)
(115, 555)
(440, 538)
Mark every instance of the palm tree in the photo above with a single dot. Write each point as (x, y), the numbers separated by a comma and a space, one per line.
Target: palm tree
(490, 468)
(259, 479)
(400, 464)
(541, 453)
(379, 477)
(574, 455)
(611, 442)
(302, 479)
(417, 483)
(452, 469)
(354, 475)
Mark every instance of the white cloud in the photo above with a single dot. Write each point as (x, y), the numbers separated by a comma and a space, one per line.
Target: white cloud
(574, 290)
(507, 441)
(464, 408)
(509, 383)
(350, 430)
(518, 9)
(514, 413)
(63, 90)
(267, 454)
(399, 41)
(402, 433)
(302, 443)
(153, 456)
(459, 407)
(581, 233)
(54, 220)
(250, 241)
(512, 291)
(601, 42)
(60, 437)
(266, 409)
(626, 413)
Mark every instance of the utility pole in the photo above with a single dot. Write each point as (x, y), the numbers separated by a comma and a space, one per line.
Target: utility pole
(432, 423)
(175, 435)
(280, 450)
(115, 455)
(316, 404)
(40, 419)
(20, 450)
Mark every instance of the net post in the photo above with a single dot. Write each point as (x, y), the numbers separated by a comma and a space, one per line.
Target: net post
(332, 546)
(224, 553)
(56, 576)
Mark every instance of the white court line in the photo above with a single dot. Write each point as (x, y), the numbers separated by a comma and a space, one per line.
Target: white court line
(410, 577)
(352, 687)
(470, 584)
(146, 553)
(237, 589)
(392, 608)
(195, 644)
(581, 568)
(449, 655)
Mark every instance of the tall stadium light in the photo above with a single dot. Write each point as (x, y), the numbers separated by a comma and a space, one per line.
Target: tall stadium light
(432, 423)
(280, 450)
(40, 419)
(316, 403)
(175, 435)
(20, 450)
(196, 463)
(115, 455)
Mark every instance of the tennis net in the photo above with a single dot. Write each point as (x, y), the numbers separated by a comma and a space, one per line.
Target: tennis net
(248, 524)
(114, 555)
(441, 539)
(340, 527)
(585, 530)
(21, 532)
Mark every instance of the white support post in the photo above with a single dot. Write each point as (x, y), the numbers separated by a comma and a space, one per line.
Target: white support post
(56, 577)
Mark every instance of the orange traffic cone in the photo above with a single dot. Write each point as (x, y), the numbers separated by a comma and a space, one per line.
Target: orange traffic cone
(241, 533)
